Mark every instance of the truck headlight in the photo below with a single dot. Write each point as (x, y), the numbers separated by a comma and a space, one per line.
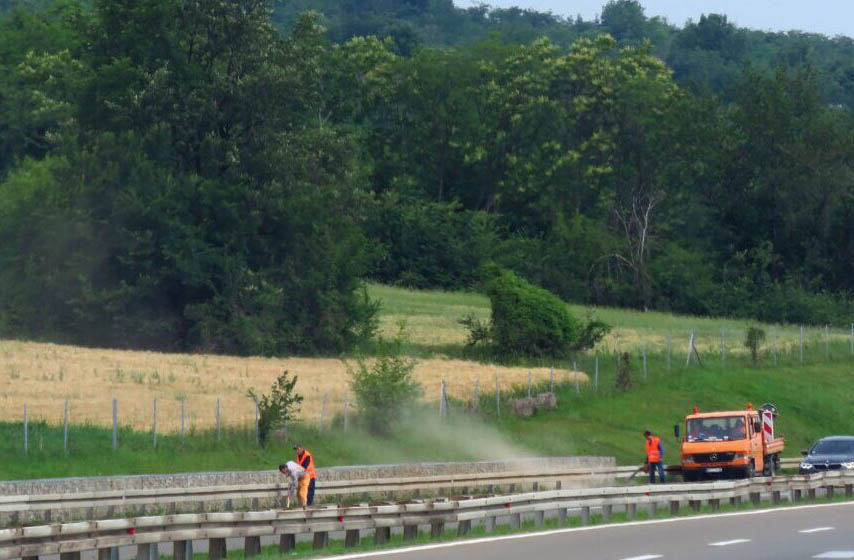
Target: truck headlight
(739, 457)
(689, 459)
(848, 465)
(806, 466)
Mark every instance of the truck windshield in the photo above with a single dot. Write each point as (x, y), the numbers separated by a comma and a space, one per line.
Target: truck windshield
(726, 428)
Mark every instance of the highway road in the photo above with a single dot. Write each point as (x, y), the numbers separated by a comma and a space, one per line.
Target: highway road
(796, 533)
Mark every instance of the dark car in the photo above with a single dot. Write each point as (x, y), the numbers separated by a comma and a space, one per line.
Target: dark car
(829, 454)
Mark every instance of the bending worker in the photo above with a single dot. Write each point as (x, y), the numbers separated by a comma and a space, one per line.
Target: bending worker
(306, 461)
(654, 454)
(297, 481)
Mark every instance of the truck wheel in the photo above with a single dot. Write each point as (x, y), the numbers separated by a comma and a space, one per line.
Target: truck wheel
(750, 470)
(768, 467)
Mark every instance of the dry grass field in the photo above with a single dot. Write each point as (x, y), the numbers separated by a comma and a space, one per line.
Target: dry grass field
(44, 375)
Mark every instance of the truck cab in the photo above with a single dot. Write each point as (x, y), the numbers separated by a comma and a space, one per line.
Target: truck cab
(730, 444)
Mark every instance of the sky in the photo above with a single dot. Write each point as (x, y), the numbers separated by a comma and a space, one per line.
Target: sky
(830, 17)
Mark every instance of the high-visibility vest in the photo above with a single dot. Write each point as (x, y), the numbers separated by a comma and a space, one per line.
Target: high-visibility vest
(310, 468)
(652, 454)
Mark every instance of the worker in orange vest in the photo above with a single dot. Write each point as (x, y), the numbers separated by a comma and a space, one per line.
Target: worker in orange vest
(306, 460)
(654, 454)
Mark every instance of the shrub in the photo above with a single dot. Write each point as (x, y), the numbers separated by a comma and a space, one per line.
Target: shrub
(385, 388)
(275, 409)
(753, 341)
(530, 321)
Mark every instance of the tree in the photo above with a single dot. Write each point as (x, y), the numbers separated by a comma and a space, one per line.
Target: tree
(384, 388)
(276, 408)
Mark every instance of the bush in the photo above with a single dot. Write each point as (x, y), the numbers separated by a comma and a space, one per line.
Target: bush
(753, 341)
(275, 409)
(385, 388)
(530, 321)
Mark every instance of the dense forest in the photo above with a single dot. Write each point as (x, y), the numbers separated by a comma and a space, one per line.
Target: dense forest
(223, 175)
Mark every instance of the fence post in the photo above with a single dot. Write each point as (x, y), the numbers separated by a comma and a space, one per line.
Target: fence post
(802, 343)
(497, 397)
(575, 374)
(552, 379)
(668, 352)
(154, 423)
(257, 427)
(530, 381)
(323, 412)
(346, 409)
(690, 349)
(775, 346)
(65, 429)
(182, 420)
(644, 361)
(826, 341)
(443, 404)
(476, 397)
(723, 345)
(596, 375)
(26, 429)
(115, 424)
(218, 419)
(852, 338)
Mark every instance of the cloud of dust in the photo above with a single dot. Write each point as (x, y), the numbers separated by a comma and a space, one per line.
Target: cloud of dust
(460, 437)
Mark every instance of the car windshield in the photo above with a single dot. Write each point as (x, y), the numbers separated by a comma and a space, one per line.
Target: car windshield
(725, 428)
(833, 447)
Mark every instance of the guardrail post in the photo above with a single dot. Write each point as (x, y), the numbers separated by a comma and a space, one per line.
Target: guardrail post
(216, 549)
(828, 491)
(489, 524)
(585, 515)
(797, 495)
(695, 505)
(251, 547)
(606, 512)
(715, 503)
(674, 507)
(181, 550)
(536, 486)
(320, 540)
(631, 510)
(410, 532)
(147, 552)
(351, 537)
(735, 501)
(558, 485)
(776, 496)
(437, 528)
(811, 494)
(287, 542)
(755, 498)
(381, 535)
(539, 518)
(561, 516)
(69, 556)
(464, 527)
(103, 554)
(653, 509)
(849, 490)
(516, 520)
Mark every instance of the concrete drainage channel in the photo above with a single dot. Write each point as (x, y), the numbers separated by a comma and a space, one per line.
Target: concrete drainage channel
(150, 536)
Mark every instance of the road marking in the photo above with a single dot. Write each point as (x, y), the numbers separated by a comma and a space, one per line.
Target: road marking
(816, 530)
(836, 554)
(483, 540)
(727, 543)
(644, 557)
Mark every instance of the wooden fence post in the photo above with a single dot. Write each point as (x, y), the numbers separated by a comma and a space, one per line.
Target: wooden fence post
(65, 429)
(154, 423)
(26, 431)
(218, 418)
(183, 432)
(115, 424)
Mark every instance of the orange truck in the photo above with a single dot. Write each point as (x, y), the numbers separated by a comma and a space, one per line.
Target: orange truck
(730, 444)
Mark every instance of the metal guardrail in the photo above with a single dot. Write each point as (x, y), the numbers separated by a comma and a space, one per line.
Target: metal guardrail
(69, 539)
(109, 503)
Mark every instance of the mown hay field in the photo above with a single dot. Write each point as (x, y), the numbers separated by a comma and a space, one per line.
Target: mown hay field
(432, 319)
(43, 376)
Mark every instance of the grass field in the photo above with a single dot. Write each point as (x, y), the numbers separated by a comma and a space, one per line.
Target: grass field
(814, 397)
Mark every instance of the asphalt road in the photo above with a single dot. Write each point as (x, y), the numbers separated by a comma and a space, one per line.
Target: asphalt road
(823, 531)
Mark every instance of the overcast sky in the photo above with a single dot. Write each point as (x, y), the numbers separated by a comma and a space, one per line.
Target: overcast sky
(831, 17)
